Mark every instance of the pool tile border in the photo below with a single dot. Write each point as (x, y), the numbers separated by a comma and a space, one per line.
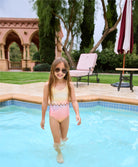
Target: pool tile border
(91, 104)
(20, 103)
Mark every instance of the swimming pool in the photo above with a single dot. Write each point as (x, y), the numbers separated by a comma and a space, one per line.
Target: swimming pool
(107, 137)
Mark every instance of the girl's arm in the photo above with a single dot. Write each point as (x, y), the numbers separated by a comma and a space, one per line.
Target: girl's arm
(44, 104)
(75, 104)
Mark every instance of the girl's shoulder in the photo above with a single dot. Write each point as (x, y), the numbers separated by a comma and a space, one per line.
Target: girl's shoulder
(46, 85)
(71, 85)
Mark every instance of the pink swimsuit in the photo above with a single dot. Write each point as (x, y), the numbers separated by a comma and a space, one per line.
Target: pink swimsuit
(59, 109)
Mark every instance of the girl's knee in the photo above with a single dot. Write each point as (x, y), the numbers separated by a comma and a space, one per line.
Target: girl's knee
(57, 140)
(64, 139)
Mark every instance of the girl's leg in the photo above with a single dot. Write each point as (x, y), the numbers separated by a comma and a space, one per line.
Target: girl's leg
(55, 129)
(64, 125)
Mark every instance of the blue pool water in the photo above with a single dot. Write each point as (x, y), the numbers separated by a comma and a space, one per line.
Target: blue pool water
(107, 137)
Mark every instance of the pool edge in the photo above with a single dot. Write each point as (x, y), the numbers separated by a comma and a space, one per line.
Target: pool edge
(38, 99)
(21, 97)
(108, 99)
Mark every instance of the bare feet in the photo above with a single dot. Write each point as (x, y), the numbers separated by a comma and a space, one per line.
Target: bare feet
(59, 153)
(60, 157)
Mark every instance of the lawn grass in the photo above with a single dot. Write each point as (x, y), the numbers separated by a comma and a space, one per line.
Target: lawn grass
(23, 77)
(32, 77)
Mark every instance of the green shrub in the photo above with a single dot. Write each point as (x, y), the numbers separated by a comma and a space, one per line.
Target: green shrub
(42, 67)
(107, 60)
(76, 55)
(36, 57)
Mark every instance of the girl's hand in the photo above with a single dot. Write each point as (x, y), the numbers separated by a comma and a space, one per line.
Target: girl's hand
(42, 124)
(78, 119)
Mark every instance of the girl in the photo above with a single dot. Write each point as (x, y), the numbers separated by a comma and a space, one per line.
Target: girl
(58, 91)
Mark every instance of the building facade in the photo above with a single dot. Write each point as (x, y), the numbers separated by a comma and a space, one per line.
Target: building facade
(23, 31)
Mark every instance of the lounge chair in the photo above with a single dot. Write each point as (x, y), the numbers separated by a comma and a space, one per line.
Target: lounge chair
(85, 67)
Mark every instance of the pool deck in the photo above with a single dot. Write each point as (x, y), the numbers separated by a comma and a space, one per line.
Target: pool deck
(93, 92)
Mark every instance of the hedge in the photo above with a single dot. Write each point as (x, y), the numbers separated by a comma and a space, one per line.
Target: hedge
(42, 67)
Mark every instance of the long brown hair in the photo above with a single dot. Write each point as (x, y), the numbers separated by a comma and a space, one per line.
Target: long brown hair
(52, 78)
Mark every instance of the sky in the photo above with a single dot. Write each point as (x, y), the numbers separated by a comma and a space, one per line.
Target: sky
(24, 9)
(17, 8)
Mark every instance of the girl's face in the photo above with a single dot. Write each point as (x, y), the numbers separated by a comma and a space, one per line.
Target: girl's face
(60, 71)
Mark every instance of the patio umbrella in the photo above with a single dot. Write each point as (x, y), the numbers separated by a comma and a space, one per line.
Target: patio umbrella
(124, 42)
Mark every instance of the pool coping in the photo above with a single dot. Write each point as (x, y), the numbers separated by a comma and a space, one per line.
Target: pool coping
(38, 99)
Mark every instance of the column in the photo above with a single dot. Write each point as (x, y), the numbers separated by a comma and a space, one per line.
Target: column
(24, 52)
(4, 66)
(2, 51)
(8, 54)
(28, 53)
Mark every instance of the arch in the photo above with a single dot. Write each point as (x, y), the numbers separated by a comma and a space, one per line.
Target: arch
(34, 37)
(15, 56)
(11, 36)
(10, 31)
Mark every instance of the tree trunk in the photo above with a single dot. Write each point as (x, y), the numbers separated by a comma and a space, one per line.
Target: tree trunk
(72, 64)
(100, 41)
(107, 29)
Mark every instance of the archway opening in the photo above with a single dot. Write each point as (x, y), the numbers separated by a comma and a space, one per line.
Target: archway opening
(33, 49)
(15, 56)
(35, 39)
(13, 50)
